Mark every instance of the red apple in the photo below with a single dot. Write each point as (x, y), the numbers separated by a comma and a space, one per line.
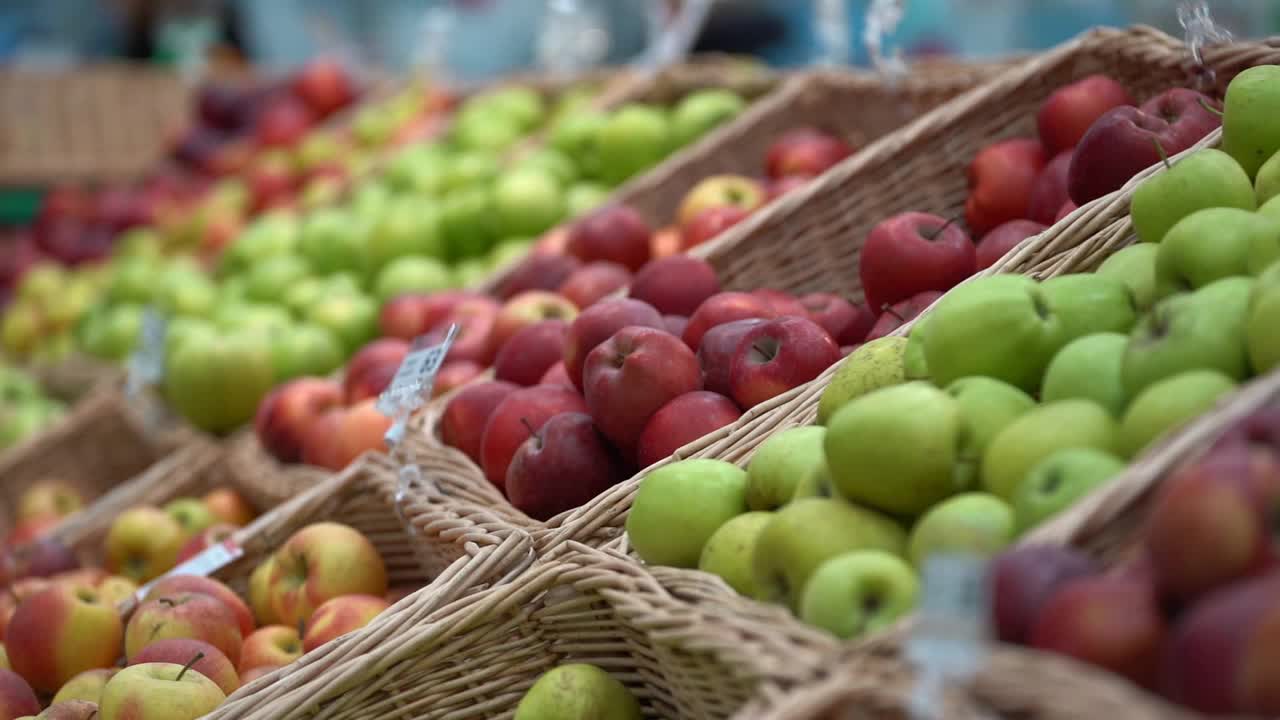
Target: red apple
(214, 664)
(183, 615)
(722, 308)
(911, 253)
(709, 223)
(28, 530)
(899, 314)
(593, 282)
(525, 309)
(363, 429)
(1003, 239)
(475, 318)
(454, 374)
(1000, 180)
(510, 422)
(782, 186)
(229, 506)
(270, 646)
(681, 421)
(805, 152)
(408, 316)
(464, 417)
(615, 233)
(597, 324)
(779, 355)
(371, 369)
(1123, 142)
(1066, 115)
(719, 191)
(556, 375)
(42, 557)
(207, 538)
(845, 322)
(325, 86)
(270, 176)
(782, 302)
(531, 352)
(17, 699)
(319, 446)
(561, 466)
(287, 412)
(1049, 191)
(675, 324)
(675, 285)
(631, 375)
(175, 584)
(1067, 208)
(339, 616)
(1024, 579)
(538, 271)
(283, 123)
(717, 349)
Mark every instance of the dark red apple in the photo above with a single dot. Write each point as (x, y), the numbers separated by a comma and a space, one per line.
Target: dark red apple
(898, 314)
(531, 352)
(1000, 180)
(464, 417)
(597, 324)
(675, 285)
(709, 223)
(325, 86)
(510, 423)
(283, 123)
(779, 355)
(537, 271)
(615, 233)
(722, 308)
(911, 253)
(561, 466)
(1049, 191)
(594, 282)
(717, 349)
(1023, 579)
(846, 322)
(1004, 238)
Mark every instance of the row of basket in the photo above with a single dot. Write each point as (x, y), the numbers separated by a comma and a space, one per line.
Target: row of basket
(507, 597)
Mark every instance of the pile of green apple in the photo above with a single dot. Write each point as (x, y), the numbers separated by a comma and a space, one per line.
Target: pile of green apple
(578, 691)
(51, 300)
(26, 409)
(1009, 401)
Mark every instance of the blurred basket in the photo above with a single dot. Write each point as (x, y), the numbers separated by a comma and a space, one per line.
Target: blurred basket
(72, 377)
(97, 124)
(476, 657)
(267, 481)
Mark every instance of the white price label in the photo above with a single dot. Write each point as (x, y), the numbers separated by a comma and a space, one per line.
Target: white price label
(146, 364)
(883, 17)
(952, 628)
(412, 383)
(207, 562)
(833, 31)
(1200, 29)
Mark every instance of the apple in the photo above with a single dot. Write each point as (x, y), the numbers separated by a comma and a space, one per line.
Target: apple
(901, 313)
(1267, 184)
(718, 191)
(1037, 434)
(213, 535)
(475, 318)
(1135, 266)
(270, 646)
(353, 319)
(325, 85)
(1002, 240)
(527, 201)
(1203, 330)
(709, 223)
(1127, 140)
(1244, 244)
(627, 378)
(159, 691)
(1049, 191)
(698, 113)
(526, 309)
(1247, 134)
(217, 381)
(359, 429)
(577, 690)
(859, 592)
(320, 562)
(58, 616)
(972, 523)
(911, 253)
(1060, 480)
(531, 352)
(48, 498)
(339, 616)
(722, 308)
(560, 466)
(404, 316)
(804, 152)
(1023, 579)
(183, 615)
(679, 506)
(259, 595)
(16, 696)
(212, 664)
(1069, 111)
(143, 543)
(86, 686)
(728, 552)
(1000, 180)
(510, 423)
(537, 271)
(284, 415)
(556, 375)
(41, 557)
(453, 375)
(1264, 306)
(675, 285)
(594, 282)
(177, 584)
(282, 122)
(778, 355)
(551, 161)
(613, 233)
(874, 365)
(783, 186)
(597, 324)
(463, 420)
(1067, 208)
(411, 274)
(1168, 404)
(370, 370)
(192, 515)
(781, 463)
(845, 322)
(682, 420)
(1089, 368)
(633, 138)
(1208, 178)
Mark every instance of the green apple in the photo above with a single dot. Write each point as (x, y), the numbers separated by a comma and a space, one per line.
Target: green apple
(578, 692)
(816, 484)
(1267, 184)
(24, 324)
(781, 463)
(318, 147)
(806, 533)
(411, 274)
(1036, 435)
(191, 296)
(334, 240)
(470, 169)
(420, 158)
(1212, 244)
(551, 161)
(20, 421)
(1086, 303)
(42, 282)
(1191, 331)
(16, 386)
(471, 272)
(1207, 178)
(217, 381)
(521, 104)
(679, 506)
(973, 523)
(256, 317)
(353, 319)
(1251, 105)
(865, 445)
(584, 197)
(634, 138)
(575, 136)
(133, 280)
(527, 202)
(986, 405)
(304, 349)
(159, 690)
(370, 200)
(270, 280)
(701, 111)
(1271, 209)
(1168, 404)
(729, 550)
(859, 592)
(509, 251)
(998, 326)
(182, 329)
(1058, 481)
(914, 366)
(1089, 369)
(121, 327)
(407, 226)
(139, 242)
(1264, 317)
(1135, 266)
(373, 126)
(269, 235)
(468, 223)
(871, 366)
(487, 133)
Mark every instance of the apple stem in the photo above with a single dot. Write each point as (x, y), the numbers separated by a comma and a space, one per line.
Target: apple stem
(886, 308)
(166, 601)
(302, 627)
(199, 656)
(1164, 157)
(1205, 104)
(533, 433)
(933, 234)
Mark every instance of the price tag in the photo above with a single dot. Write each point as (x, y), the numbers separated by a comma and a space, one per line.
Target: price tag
(949, 642)
(412, 383)
(209, 561)
(1200, 29)
(833, 32)
(146, 364)
(883, 17)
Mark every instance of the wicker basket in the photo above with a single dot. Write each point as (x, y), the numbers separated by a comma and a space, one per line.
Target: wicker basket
(267, 481)
(475, 658)
(100, 444)
(73, 377)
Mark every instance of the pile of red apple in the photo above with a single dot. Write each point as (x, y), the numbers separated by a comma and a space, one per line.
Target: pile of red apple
(1092, 140)
(191, 641)
(1191, 612)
